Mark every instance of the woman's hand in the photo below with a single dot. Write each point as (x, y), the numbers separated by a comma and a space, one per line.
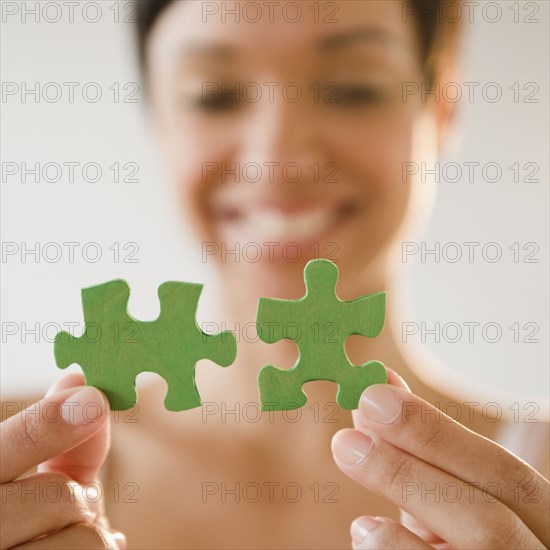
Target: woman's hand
(66, 435)
(456, 488)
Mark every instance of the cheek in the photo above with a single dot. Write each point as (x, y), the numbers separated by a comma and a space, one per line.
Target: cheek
(187, 145)
(191, 156)
(373, 152)
(194, 157)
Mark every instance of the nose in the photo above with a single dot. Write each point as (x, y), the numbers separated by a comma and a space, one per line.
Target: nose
(280, 136)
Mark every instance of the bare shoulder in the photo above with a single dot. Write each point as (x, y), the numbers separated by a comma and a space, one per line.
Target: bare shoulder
(528, 440)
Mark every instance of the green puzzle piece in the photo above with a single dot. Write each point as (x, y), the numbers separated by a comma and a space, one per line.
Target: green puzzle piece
(319, 323)
(115, 348)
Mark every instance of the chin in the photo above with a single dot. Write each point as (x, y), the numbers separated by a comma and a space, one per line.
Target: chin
(281, 278)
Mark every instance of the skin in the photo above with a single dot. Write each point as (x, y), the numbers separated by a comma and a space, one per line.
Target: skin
(172, 459)
(67, 450)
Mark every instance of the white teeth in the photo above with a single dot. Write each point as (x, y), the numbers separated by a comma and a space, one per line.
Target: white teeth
(276, 225)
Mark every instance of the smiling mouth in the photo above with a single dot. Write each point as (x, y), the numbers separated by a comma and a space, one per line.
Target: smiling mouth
(286, 223)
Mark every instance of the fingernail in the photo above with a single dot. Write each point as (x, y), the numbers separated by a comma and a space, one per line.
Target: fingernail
(86, 406)
(115, 540)
(381, 404)
(402, 380)
(351, 447)
(120, 540)
(361, 527)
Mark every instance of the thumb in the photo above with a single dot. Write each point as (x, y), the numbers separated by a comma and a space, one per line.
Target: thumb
(33, 437)
(83, 462)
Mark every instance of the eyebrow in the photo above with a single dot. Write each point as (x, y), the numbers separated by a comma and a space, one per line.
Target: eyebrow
(210, 49)
(328, 44)
(354, 36)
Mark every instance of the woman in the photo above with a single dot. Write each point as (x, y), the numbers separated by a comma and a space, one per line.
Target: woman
(310, 94)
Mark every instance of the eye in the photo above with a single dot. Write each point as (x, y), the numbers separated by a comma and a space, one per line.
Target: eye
(358, 94)
(353, 94)
(217, 102)
(209, 97)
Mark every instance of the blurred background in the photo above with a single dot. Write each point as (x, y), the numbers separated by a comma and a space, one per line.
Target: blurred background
(126, 225)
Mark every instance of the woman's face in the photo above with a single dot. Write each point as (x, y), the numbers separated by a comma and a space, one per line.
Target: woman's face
(286, 130)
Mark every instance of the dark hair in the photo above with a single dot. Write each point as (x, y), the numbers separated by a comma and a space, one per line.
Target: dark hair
(147, 13)
(439, 32)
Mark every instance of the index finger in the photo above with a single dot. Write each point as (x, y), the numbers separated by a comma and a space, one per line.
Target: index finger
(394, 379)
(48, 428)
(417, 427)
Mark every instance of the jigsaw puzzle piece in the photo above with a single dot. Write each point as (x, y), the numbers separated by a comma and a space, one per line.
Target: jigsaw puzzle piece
(353, 381)
(323, 323)
(281, 390)
(284, 311)
(93, 350)
(365, 316)
(115, 347)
